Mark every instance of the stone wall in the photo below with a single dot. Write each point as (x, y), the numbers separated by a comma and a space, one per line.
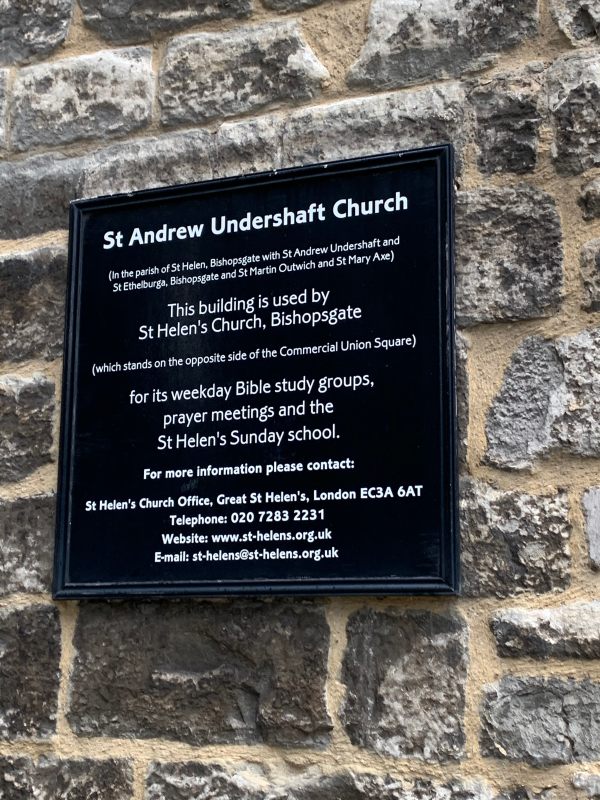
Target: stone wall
(495, 694)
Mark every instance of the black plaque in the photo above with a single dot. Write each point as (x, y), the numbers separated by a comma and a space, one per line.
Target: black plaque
(258, 388)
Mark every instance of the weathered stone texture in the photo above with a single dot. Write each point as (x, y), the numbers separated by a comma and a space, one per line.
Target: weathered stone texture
(508, 255)
(508, 114)
(513, 542)
(405, 679)
(210, 75)
(579, 20)
(61, 779)
(252, 146)
(36, 194)
(26, 410)
(29, 671)
(27, 535)
(214, 782)
(571, 631)
(462, 398)
(590, 274)
(32, 298)
(574, 103)
(129, 23)
(147, 163)
(32, 30)
(394, 121)
(589, 782)
(542, 721)
(291, 5)
(3, 107)
(549, 401)
(591, 510)
(202, 673)
(589, 199)
(94, 96)
(413, 40)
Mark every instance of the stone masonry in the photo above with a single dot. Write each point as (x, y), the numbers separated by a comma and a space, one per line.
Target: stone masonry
(492, 695)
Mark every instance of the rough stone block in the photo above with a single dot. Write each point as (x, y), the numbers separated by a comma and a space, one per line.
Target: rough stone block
(3, 106)
(26, 411)
(542, 721)
(549, 402)
(590, 274)
(27, 535)
(571, 631)
(210, 75)
(462, 398)
(129, 23)
(291, 5)
(589, 199)
(508, 114)
(405, 679)
(62, 779)
(94, 96)
(148, 163)
(386, 122)
(574, 102)
(250, 146)
(588, 781)
(36, 194)
(591, 510)
(29, 671)
(508, 255)
(202, 673)
(415, 40)
(32, 299)
(579, 20)
(214, 782)
(32, 30)
(513, 542)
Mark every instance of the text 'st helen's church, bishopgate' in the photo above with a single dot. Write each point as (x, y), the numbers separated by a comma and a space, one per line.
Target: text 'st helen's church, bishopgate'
(300, 400)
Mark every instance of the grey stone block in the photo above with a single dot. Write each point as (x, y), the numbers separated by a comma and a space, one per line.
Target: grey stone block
(27, 535)
(250, 146)
(462, 398)
(590, 274)
(208, 781)
(405, 675)
(573, 86)
(591, 510)
(548, 402)
(148, 163)
(29, 671)
(26, 411)
(94, 96)
(3, 107)
(509, 110)
(32, 299)
(65, 779)
(32, 30)
(410, 41)
(541, 721)
(509, 258)
(129, 23)
(215, 782)
(36, 193)
(513, 542)
(383, 123)
(588, 781)
(579, 20)
(210, 75)
(589, 199)
(202, 673)
(571, 631)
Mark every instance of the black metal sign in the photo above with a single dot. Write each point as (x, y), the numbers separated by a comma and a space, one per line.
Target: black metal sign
(258, 386)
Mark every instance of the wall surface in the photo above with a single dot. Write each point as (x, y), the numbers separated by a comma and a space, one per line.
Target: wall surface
(495, 694)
